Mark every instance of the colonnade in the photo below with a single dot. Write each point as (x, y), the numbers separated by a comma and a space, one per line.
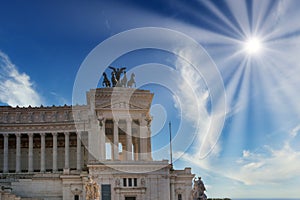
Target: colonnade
(142, 149)
(96, 143)
(42, 152)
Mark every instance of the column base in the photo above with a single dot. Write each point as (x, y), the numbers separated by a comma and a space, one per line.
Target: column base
(66, 170)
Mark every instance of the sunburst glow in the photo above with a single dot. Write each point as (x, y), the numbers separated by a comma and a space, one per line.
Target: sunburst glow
(253, 46)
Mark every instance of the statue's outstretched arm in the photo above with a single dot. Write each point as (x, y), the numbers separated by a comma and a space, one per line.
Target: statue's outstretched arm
(115, 70)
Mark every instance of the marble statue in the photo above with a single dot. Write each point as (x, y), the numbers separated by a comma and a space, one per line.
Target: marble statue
(92, 190)
(124, 80)
(131, 82)
(198, 190)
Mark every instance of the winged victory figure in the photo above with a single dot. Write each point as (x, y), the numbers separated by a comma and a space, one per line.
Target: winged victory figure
(117, 71)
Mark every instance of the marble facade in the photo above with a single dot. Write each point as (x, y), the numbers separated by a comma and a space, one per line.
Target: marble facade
(50, 153)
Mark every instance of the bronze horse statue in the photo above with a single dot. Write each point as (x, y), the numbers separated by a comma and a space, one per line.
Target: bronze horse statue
(113, 79)
(105, 82)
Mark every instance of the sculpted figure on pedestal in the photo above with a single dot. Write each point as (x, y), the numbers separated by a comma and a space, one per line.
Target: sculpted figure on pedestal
(198, 190)
(131, 82)
(117, 72)
(124, 80)
(117, 182)
(116, 80)
(105, 82)
(92, 190)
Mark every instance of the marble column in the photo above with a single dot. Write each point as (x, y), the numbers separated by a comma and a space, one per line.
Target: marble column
(78, 151)
(172, 187)
(149, 148)
(101, 139)
(143, 140)
(5, 154)
(67, 147)
(18, 152)
(43, 169)
(30, 152)
(116, 140)
(129, 139)
(54, 152)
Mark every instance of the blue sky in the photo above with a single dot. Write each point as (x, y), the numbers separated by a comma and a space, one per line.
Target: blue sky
(257, 151)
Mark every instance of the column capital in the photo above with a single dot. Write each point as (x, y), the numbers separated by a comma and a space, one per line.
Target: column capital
(116, 120)
(18, 134)
(129, 120)
(30, 134)
(101, 121)
(54, 133)
(43, 134)
(5, 135)
(67, 133)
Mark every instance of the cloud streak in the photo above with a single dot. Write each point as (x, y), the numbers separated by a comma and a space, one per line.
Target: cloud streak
(267, 166)
(196, 100)
(272, 167)
(16, 88)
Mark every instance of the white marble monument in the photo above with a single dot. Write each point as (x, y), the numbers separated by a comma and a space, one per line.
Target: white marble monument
(52, 153)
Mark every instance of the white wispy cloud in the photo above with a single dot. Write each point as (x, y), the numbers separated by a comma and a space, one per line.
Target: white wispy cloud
(60, 99)
(269, 167)
(266, 166)
(192, 97)
(16, 88)
(200, 99)
(295, 131)
(273, 167)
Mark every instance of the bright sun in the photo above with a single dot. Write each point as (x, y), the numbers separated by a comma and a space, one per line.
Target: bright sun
(253, 46)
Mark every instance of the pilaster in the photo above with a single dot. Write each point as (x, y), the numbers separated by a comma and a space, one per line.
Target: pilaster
(116, 140)
(30, 152)
(18, 152)
(43, 152)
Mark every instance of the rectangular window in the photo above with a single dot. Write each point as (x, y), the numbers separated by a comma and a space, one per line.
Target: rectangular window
(105, 192)
(179, 197)
(120, 148)
(130, 182)
(76, 197)
(130, 198)
(135, 182)
(124, 182)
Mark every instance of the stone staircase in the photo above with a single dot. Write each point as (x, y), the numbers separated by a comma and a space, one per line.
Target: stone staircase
(6, 195)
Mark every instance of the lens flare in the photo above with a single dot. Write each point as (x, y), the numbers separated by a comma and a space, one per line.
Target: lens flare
(253, 45)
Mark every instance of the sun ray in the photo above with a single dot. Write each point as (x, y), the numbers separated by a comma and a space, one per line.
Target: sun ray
(261, 16)
(239, 11)
(238, 87)
(222, 17)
